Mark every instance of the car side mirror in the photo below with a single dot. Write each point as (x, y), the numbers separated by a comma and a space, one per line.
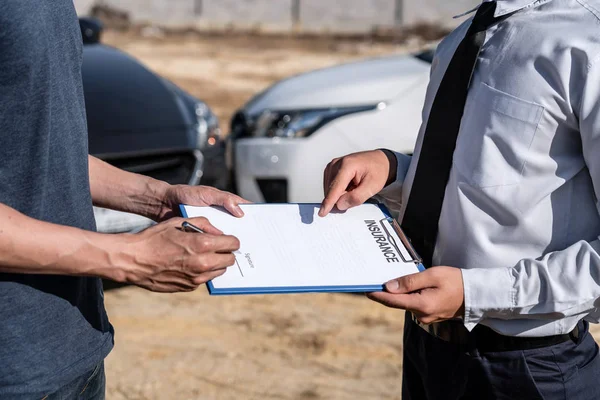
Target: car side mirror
(91, 29)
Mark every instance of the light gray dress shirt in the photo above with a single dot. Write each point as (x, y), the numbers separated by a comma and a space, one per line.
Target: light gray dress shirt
(521, 216)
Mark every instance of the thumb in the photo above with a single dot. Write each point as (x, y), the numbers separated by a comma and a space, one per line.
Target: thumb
(409, 283)
(227, 200)
(232, 204)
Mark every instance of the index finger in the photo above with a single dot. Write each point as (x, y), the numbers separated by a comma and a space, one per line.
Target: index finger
(331, 169)
(336, 190)
(218, 244)
(204, 224)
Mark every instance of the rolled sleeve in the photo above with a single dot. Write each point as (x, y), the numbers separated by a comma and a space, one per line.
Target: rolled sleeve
(482, 298)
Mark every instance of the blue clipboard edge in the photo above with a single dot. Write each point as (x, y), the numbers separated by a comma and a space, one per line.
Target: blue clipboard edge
(297, 289)
(182, 211)
(382, 206)
(294, 289)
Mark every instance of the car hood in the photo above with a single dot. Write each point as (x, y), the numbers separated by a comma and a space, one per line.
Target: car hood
(123, 97)
(359, 83)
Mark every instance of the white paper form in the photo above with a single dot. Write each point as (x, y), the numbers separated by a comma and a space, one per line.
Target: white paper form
(289, 248)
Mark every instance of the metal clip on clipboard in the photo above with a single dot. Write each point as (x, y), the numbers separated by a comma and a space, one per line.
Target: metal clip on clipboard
(405, 241)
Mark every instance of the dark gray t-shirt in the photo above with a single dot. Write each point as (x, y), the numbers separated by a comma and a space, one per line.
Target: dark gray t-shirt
(52, 328)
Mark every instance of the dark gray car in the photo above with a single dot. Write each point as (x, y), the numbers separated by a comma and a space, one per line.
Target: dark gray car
(143, 123)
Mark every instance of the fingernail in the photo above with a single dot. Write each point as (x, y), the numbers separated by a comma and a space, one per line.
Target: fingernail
(392, 286)
(238, 212)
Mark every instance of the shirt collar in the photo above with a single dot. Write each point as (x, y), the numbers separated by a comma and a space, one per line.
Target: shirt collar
(504, 7)
(507, 6)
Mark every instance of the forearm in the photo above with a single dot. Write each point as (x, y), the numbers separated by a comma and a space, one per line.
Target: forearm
(125, 191)
(30, 246)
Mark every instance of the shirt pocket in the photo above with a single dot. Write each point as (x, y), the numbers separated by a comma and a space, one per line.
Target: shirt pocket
(496, 133)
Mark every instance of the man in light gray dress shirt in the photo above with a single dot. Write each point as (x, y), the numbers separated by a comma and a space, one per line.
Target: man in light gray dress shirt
(505, 311)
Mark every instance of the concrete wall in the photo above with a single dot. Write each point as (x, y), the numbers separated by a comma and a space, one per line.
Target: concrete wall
(354, 15)
(436, 10)
(246, 13)
(314, 15)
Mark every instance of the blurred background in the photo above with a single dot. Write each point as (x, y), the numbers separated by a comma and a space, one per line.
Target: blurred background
(256, 97)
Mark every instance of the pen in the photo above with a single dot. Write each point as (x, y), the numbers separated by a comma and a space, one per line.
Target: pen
(187, 227)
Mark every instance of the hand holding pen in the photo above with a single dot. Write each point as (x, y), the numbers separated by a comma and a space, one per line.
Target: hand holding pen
(164, 259)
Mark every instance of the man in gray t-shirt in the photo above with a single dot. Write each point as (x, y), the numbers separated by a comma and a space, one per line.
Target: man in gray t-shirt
(54, 332)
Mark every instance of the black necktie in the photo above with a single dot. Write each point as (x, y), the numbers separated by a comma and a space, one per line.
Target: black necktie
(424, 205)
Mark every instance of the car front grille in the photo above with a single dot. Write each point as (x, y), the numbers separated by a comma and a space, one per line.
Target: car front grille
(178, 168)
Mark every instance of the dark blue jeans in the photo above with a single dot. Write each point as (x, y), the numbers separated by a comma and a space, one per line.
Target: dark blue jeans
(89, 386)
(434, 369)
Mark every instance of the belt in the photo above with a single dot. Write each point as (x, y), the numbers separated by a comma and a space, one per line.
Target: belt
(487, 340)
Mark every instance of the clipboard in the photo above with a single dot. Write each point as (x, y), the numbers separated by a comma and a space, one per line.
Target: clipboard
(413, 256)
(365, 248)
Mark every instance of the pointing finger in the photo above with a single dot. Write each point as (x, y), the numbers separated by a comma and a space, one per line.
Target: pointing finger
(336, 190)
(329, 171)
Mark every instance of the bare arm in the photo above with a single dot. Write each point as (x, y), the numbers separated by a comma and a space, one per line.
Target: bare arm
(120, 190)
(35, 247)
(125, 191)
(161, 258)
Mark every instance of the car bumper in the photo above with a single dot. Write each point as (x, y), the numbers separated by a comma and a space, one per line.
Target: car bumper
(263, 168)
(277, 170)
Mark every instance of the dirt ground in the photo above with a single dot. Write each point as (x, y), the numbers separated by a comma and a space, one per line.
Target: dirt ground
(194, 346)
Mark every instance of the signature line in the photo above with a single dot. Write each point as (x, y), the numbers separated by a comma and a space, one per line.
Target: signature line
(240, 268)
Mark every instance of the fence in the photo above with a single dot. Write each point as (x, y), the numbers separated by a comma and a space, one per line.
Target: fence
(305, 15)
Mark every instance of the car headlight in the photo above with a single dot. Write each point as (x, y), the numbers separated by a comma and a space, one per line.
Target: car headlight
(207, 125)
(300, 123)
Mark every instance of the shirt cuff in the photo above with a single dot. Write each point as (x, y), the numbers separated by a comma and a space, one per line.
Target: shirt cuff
(403, 164)
(487, 291)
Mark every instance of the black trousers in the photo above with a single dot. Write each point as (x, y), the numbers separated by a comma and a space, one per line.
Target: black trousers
(437, 370)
